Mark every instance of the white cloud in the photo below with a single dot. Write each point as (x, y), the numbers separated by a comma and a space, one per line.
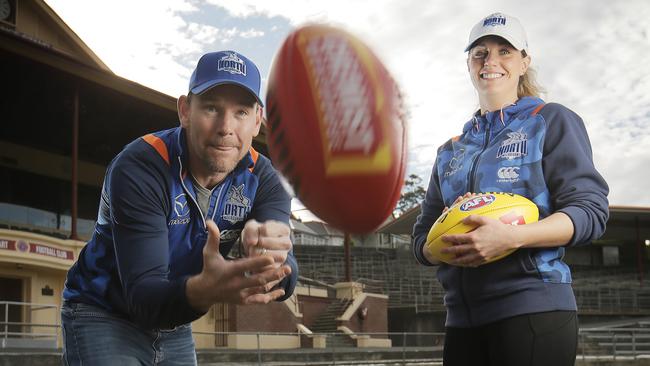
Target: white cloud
(251, 33)
(203, 33)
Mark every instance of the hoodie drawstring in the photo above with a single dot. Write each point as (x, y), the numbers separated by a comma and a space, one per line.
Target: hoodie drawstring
(501, 112)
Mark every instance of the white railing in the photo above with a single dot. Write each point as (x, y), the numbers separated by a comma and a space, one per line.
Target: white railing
(614, 343)
(33, 325)
(35, 328)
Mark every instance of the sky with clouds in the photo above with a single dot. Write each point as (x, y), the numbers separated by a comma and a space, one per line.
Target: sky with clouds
(593, 56)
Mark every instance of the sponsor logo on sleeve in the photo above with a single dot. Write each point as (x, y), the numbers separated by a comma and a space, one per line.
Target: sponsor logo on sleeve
(456, 163)
(181, 209)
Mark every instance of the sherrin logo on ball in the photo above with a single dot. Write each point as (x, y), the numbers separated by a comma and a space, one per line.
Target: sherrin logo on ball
(342, 94)
(337, 127)
(509, 208)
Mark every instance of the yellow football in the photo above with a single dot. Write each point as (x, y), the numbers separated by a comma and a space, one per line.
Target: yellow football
(509, 208)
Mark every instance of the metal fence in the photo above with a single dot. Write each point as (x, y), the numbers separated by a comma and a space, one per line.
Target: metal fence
(38, 327)
(333, 349)
(29, 325)
(615, 343)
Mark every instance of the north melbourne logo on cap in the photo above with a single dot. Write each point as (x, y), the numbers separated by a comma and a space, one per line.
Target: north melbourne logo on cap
(494, 20)
(232, 64)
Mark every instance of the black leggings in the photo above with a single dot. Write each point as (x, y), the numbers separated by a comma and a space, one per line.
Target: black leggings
(526, 340)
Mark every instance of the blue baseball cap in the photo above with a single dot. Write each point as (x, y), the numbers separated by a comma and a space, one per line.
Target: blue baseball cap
(226, 67)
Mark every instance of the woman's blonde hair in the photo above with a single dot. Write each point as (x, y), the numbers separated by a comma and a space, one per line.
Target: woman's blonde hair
(528, 86)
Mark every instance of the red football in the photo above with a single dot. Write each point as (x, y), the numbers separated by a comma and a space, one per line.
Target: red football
(337, 127)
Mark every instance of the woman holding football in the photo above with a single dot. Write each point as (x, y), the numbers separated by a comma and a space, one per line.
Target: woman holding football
(519, 310)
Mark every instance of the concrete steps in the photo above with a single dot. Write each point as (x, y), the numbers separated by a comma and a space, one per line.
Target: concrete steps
(326, 323)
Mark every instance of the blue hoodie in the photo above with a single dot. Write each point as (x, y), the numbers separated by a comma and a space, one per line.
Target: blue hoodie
(542, 152)
(150, 230)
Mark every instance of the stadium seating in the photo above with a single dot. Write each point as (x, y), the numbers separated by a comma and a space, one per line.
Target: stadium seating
(394, 272)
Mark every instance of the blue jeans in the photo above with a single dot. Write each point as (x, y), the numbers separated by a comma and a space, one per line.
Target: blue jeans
(93, 336)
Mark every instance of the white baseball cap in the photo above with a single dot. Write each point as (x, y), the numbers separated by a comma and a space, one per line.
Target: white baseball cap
(502, 25)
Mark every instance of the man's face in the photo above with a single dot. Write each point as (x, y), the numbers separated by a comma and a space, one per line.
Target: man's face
(220, 126)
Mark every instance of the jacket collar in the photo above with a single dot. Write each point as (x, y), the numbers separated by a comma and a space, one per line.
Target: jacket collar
(497, 120)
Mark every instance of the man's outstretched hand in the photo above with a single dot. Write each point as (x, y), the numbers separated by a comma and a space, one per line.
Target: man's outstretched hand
(240, 281)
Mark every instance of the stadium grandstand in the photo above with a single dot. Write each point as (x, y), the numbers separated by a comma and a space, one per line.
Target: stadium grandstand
(65, 115)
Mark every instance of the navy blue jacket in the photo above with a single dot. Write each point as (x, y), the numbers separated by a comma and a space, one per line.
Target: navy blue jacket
(542, 154)
(150, 230)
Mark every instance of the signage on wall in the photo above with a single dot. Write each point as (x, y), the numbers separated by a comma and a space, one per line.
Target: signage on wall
(36, 248)
(47, 291)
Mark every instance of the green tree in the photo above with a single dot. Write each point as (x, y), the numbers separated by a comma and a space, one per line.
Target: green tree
(412, 195)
